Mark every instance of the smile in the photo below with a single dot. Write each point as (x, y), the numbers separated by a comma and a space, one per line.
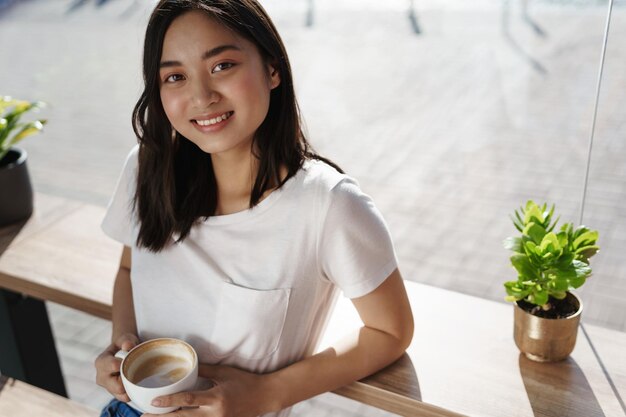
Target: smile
(215, 120)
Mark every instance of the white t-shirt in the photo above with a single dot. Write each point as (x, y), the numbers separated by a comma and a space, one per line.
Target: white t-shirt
(254, 289)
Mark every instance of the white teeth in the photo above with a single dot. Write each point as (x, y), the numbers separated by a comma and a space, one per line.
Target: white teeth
(218, 119)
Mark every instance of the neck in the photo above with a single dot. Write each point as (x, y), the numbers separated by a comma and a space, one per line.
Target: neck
(235, 176)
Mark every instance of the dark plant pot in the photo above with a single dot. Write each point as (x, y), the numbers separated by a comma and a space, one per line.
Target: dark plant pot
(16, 192)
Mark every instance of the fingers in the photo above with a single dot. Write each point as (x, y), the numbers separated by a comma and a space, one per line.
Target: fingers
(108, 366)
(111, 350)
(114, 385)
(107, 375)
(123, 398)
(117, 389)
(127, 341)
(182, 399)
(107, 363)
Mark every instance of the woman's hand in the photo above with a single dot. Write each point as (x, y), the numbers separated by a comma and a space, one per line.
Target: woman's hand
(236, 393)
(108, 366)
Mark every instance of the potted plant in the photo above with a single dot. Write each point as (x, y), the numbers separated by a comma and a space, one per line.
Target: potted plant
(16, 194)
(549, 264)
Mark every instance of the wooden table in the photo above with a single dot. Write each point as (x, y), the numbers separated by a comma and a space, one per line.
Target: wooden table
(462, 361)
(19, 399)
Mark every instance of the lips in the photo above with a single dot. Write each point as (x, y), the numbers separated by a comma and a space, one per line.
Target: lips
(213, 120)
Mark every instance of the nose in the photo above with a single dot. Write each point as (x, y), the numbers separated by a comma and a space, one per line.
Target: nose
(203, 94)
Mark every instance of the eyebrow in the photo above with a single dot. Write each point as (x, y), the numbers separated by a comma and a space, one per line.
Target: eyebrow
(207, 55)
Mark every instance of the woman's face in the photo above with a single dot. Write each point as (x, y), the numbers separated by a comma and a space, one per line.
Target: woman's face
(215, 87)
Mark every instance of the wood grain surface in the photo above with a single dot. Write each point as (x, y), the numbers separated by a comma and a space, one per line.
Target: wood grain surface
(61, 255)
(19, 399)
(462, 361)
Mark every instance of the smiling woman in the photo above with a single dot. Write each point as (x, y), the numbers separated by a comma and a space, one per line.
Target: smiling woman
(208, 73)
(240, 236)
(196, 82)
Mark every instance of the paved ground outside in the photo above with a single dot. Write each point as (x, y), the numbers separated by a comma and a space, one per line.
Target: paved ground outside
(449, 113)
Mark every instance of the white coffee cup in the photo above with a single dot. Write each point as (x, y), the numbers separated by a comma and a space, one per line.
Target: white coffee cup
(158, 367)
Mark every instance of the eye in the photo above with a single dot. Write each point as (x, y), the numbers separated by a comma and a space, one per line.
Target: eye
(173, 78)
(222, 66)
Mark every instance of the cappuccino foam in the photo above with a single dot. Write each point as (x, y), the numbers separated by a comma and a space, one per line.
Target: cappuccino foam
(158, 364)
(160, 371)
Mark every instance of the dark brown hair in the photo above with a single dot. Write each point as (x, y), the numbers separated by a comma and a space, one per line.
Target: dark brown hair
(176, 185)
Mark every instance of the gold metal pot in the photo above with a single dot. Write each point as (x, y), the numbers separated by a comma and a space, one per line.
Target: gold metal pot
(546, 340)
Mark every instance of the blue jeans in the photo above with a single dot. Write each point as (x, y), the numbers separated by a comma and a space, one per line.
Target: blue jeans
(117, 408)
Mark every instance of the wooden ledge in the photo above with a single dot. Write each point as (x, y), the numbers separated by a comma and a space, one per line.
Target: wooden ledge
(462, 361)
(19, 399)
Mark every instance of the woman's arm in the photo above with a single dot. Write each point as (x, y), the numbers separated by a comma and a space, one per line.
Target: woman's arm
(124, 334)
(386, 333)
(123, 310)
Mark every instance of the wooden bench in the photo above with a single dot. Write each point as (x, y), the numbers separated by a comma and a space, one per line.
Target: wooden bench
(19, 399)
(462, 361)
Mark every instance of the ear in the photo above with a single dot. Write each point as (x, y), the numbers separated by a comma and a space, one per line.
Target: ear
(274, 76)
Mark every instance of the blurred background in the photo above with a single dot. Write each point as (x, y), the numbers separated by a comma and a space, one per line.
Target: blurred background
(451, 114)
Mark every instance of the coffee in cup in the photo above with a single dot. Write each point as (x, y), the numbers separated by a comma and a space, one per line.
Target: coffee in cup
(158, 367)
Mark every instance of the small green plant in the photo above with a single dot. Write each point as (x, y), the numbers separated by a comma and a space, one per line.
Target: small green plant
(11, 130)
(547, 263)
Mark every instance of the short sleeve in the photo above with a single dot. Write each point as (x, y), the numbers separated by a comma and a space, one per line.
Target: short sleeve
(355, 248)
(118, 221)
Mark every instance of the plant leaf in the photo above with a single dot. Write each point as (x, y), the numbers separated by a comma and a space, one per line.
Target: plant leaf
(523, 266)
(6, 102)
(548, 216)
(581, 268)
(561, 284)
(535, 232)
(532, 213)
(27, 130)
(513, 243)
(564, 274)
(550, 244)
(11, 111)
(565, 261)
(583, 254)
(514, 291)
(586, 239)
(540, 297)
(517, 221)
(577, 282)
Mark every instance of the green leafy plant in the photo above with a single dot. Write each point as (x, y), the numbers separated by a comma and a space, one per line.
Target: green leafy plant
(548, 264)
(11, 129)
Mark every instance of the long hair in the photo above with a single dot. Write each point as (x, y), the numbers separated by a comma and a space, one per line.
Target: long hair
(176, 186)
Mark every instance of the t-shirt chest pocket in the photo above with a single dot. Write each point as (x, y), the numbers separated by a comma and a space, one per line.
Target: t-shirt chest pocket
(249, 323)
